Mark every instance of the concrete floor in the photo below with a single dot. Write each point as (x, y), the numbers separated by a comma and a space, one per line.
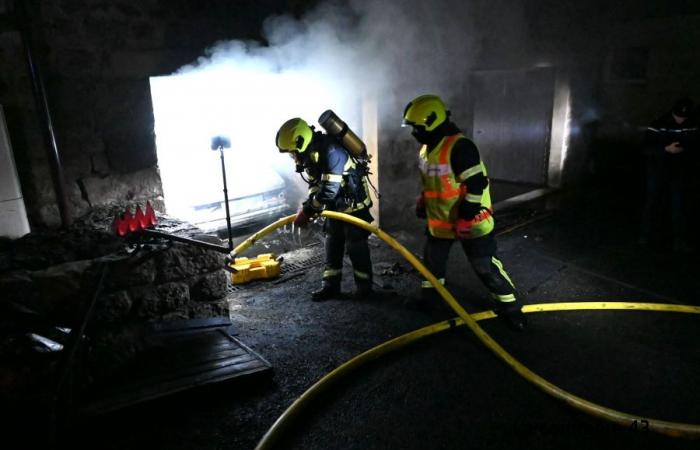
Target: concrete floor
(447, 391)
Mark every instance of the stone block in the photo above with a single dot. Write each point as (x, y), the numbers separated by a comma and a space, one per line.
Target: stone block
(153, 302)
(74, 62)
(201, 310)
(113, 307)
(60, 288)
(210, 286)
(40, 250)
(123, 188)
(18, 287)
(99, 164)
(73, 98)
(64, 33)
(132, 147)
(143, 63)
(183, 261)
(132, 272)
(147, 34)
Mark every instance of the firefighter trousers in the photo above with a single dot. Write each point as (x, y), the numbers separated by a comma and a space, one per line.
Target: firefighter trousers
(481, 253)
(342, 236)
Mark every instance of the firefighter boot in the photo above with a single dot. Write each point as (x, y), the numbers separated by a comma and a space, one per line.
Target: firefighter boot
(327, 292)
(512, 315)
(363, 290)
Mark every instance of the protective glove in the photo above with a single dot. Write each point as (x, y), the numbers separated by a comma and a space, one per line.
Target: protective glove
(420, 208)
(463, 228)
(302, 219)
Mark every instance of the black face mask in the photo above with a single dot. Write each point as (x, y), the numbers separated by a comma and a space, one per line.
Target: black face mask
(298, 161)
(422, 136)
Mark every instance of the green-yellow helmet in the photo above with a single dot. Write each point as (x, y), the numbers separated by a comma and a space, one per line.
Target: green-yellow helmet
(294, 136)
(426, 111)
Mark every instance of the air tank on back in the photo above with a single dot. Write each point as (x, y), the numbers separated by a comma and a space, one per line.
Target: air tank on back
(336, 127)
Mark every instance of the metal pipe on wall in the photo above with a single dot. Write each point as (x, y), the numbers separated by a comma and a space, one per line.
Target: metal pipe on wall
(42, 104)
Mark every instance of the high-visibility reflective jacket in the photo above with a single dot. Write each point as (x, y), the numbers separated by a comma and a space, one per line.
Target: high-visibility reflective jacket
(443, 191)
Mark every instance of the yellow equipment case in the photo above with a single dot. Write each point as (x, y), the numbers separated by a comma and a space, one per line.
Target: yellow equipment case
(263, 266)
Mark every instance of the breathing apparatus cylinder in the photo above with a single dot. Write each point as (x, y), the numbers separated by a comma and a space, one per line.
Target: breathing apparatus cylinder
(339, 129)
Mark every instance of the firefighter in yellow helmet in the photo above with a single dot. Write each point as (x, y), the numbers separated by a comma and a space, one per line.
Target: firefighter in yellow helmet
(456, 202)
(337, 183)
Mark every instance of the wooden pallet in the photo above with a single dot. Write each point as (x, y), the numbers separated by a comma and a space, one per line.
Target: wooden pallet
(176, 359)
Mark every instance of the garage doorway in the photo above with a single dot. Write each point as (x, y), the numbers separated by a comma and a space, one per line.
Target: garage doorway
(512, 122)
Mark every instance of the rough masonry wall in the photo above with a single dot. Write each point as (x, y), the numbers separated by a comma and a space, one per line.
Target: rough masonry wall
(96, 57)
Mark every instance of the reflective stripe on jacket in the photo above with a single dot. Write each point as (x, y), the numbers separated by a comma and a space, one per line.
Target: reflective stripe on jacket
(329, 188)
(443, 193)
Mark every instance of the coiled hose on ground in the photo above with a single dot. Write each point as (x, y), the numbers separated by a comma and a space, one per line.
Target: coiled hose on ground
(674, 429)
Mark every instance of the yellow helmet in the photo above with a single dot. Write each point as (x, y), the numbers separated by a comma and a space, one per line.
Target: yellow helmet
(426, 111)
(294, 136)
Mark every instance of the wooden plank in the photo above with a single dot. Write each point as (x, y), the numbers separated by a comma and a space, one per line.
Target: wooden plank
(128, 398)
(188, 360)
(184, 357)
(146, 373)
(192, 371)
(192, 324)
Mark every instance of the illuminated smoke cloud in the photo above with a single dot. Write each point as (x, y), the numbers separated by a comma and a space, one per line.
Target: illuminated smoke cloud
(388, 47)
(330, 58)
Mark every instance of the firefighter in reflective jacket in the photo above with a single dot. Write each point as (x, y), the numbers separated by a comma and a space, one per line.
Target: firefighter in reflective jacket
(336, 183)
(456, 202)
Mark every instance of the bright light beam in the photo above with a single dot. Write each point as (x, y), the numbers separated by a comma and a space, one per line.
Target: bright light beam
(246, 101)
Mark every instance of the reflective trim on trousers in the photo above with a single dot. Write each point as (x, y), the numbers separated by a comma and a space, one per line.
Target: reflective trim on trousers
(507, 298)
(330, 273)
(361, 275)
(496, 262)
(425, 284)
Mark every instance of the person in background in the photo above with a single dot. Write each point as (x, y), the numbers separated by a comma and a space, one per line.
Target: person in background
(335, 184)
(456, 202)
(668, 143)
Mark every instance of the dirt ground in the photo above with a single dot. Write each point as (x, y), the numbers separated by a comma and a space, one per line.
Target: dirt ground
(447, 391)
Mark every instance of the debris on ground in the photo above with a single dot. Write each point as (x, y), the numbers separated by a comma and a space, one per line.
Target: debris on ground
(392, 269)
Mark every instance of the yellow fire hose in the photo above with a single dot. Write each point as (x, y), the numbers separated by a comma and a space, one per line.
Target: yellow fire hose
(673, 429)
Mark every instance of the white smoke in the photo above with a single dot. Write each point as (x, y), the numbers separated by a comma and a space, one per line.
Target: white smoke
(331, 58)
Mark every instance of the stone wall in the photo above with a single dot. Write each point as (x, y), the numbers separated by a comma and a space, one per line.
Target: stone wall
(96, 57)
(54, 273)
(47, 272)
